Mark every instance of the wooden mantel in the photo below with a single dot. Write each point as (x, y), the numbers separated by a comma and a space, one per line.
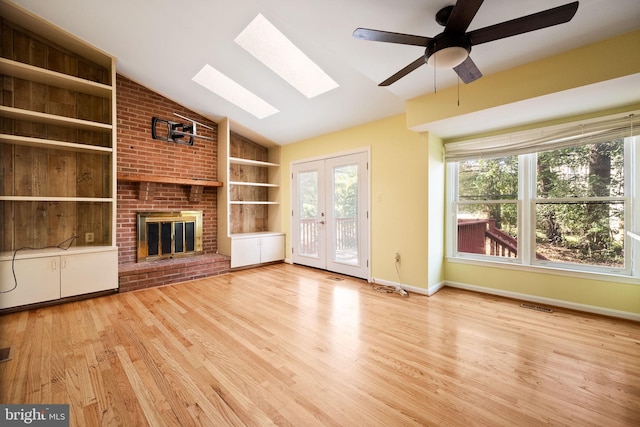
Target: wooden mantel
(130, 177)
(147, 184)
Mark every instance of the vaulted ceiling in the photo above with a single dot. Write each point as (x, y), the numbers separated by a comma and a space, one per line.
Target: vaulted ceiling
(162, 44)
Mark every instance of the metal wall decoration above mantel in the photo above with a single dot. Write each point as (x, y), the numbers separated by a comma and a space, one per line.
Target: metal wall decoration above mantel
(170, 131)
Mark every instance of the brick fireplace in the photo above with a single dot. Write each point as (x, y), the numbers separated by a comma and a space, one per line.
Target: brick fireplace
(161, 176)
(167, 235)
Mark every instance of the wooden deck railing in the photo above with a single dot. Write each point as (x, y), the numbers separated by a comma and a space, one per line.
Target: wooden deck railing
(480, 236)
(346, 234)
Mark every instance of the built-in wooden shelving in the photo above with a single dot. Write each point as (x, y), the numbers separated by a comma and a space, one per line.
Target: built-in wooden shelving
(248, 226)
(58, 144)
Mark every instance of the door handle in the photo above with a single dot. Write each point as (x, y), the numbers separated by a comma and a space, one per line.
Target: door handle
(321, 222)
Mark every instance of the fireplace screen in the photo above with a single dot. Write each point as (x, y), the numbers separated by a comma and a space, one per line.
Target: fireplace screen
(169, 234)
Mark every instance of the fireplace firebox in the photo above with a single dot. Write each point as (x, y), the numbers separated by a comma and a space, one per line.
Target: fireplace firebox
(164, 235)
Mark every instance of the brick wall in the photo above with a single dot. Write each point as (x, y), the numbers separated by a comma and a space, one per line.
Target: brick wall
(140, 154)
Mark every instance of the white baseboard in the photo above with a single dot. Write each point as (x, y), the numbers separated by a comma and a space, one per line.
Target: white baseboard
(547, 301)
(422, 291)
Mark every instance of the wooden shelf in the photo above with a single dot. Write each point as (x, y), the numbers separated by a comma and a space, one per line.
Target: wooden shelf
(51, 119)
(167, 180)
(239, 161)
(57, 145)
(256, 234)
(56, 199)
(53, 78)
(254, 184)
(148, 183)
(252, 202)
(39, 253)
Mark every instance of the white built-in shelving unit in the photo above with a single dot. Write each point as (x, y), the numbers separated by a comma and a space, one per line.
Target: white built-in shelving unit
(248, 204)
(57, 201)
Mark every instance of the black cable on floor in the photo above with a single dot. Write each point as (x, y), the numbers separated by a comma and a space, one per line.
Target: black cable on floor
(68, 242)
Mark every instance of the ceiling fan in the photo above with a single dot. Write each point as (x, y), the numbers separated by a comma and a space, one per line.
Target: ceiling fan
(451, 48)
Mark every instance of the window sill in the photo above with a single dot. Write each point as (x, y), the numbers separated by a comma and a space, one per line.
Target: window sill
(557, 271)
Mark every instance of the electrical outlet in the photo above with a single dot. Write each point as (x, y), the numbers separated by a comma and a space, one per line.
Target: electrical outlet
(396, 255)
(89, 237)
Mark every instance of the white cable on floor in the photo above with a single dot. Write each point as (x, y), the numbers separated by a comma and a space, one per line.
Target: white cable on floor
(400, 289)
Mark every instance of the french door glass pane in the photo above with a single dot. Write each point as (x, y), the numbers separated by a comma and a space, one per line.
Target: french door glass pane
(308, 208)
(345, 209)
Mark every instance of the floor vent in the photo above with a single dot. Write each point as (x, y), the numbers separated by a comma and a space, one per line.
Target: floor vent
(335, 278)
(5, 354)
(537, 307)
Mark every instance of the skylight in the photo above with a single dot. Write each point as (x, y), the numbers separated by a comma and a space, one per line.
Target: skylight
(233, 92)
(265, 42)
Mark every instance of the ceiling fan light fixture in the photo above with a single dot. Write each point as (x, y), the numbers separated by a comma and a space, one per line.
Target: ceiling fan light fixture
(447, 50)
(449, 57)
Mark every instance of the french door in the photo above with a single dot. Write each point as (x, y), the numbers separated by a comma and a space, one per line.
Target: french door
(330, 214)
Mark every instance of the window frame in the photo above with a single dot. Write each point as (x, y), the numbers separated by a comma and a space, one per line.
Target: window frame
(527, 202)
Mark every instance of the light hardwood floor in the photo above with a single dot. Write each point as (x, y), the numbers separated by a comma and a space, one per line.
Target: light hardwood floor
(288, 345)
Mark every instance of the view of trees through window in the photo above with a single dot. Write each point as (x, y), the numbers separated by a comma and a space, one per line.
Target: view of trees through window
(588, 229)
(578, 206)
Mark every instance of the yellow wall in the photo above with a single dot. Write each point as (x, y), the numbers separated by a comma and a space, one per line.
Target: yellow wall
(407, 187)
(610, 295)
(435, 213)
(399, 192)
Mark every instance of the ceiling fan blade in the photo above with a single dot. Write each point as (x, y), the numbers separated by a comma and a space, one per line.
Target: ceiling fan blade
(524, 24)
(406, 70)
(389, 37)
(462, 15)
(468, 71)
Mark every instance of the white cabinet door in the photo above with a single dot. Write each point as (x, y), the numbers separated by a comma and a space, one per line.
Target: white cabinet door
(256, 250)
(245, 251)
(38, 280)
(88, 272)
(272, 248)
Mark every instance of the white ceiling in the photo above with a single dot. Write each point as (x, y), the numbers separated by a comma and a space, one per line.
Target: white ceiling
(162, 44)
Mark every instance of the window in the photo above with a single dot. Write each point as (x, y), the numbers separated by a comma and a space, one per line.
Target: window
(554, 198)
(487, 207)
(580, 204)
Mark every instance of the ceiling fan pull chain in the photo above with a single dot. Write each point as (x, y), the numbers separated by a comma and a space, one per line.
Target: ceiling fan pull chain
(435, 86)
(435, 70)
(458, 91)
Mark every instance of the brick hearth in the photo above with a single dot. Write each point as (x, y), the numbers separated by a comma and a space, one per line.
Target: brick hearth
(142, 275)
